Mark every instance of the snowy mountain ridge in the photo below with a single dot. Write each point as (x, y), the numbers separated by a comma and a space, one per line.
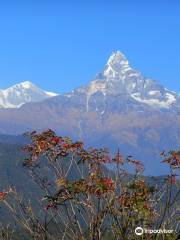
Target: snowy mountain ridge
(118, 108)
(119, 78)
(19, 94)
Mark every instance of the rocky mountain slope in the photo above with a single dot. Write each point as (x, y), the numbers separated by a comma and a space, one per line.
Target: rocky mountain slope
(119, 79)
(118, 108)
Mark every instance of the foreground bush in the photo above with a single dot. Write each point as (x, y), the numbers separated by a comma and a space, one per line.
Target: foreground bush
(82, 199)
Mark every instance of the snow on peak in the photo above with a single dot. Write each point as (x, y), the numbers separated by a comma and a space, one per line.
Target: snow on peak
(26, 84)
(166, 102)
(118, 58)
(22, 85)
(118, 78)
(51, 94)
(117, 64)
(21, 93)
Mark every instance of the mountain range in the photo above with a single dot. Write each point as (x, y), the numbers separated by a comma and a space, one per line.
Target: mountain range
(117, 108)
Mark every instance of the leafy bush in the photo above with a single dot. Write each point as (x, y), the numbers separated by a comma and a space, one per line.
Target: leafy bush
(83, 199)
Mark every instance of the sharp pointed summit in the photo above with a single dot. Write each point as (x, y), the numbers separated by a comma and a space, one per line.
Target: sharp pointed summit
(118, 58)
(119, 79)
(117, 64)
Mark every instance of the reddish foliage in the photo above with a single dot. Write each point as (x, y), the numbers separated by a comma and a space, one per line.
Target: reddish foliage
(172, 179)
(172, 158)
(92, 185)
(3, 195)
(118, 159)
(56, 140)
(138, 164)
(108, 183)
(51, 206)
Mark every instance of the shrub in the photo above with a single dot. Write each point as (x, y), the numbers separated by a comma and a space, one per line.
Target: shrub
(82, 199)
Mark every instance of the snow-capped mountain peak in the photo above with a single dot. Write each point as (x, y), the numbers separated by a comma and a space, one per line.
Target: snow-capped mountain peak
(21, 93)
(26, 84)
(118, 78)
(117, 64)
(118, 60)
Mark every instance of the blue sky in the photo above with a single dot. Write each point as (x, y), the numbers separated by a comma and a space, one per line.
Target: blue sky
(60, 45)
